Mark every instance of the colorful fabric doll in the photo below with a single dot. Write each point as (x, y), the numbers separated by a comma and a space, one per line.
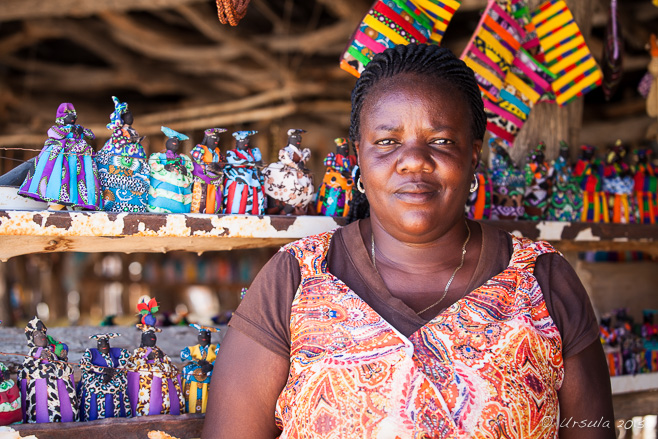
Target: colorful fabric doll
(47, 387)
(171, 177)
(646, 186)
(104, 383)
(566, 200)
(243, 182)
(207, 190)
(10, 398)
(537, 184)
(618, 185)
(508, 183)
(197, 373)
(335, 192)
(588, 173)
(65, 172)
(154, 386)
(288, 184)
(478, 205)
(124, 171)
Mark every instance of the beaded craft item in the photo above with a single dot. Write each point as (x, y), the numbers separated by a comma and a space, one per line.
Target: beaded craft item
(335, 192)
(207, 190)
(508, 183)
(537, 184)
(566, 199)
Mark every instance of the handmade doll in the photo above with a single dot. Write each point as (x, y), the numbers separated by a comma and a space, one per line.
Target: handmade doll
(588, 173)
(103, 387)
(10, 398)
(646, 186)
(207, 189)
(508, 183)
(65, 171)
(288, 184)
(565, 202)
(171, 177)
(243, 182)
(197, 373)
(335, 192)
(478, 205)
(618, 185)
(124, 171)
(47, 387)
(153, 382)
(537, 184)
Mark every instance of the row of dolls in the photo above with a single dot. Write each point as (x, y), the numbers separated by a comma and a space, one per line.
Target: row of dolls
(592, 190)
(113, 383)
(630, 348)
(119, 178)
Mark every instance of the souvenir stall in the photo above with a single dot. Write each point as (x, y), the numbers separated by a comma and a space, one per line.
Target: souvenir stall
(229, 139)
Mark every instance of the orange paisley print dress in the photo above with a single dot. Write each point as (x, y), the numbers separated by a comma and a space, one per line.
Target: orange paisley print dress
(488, 366)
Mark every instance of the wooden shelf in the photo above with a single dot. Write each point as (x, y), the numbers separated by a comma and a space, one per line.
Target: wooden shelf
(23, 232)
(635, 395)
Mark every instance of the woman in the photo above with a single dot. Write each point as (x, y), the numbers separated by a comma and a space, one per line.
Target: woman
(415, 322)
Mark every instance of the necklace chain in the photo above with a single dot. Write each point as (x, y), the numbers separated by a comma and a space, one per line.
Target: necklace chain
(445, 291)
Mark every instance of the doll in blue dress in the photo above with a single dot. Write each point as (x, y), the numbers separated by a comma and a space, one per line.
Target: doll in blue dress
(198, 372)
(243, 181)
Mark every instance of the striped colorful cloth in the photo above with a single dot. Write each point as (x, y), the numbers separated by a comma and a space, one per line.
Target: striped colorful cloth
(566, 54)
(392, 22)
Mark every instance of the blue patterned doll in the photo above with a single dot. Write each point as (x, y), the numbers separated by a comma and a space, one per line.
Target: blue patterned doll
(47, 388)
(65, 171)
(207, 190)
(508, 184)
(124, 172)
(288, 184)
(537, 184)
(103, 387)
(335, 192)
(154, 386)
(171, 177)
(566, 199)
(197, 373)
(243, 181)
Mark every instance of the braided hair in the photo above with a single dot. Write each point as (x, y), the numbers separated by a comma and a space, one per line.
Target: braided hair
(429, 60)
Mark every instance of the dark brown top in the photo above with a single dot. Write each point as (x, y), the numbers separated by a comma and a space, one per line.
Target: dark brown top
(264, 314)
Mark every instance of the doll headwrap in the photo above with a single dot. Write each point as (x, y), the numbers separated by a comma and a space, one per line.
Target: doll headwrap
(211, 131)
(34, 325)
(120, 108)
(242, 135)
(173, 134)
(106, 336)
(64, 110)
(147, 311)
(296, 132)
(202, 328)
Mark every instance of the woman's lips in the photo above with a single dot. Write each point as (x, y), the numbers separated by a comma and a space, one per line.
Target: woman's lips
(416, 192)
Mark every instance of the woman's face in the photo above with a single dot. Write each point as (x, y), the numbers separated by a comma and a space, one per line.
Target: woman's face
(417, 155)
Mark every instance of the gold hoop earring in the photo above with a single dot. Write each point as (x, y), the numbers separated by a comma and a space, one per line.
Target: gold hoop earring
(475, 184)
(359, 186)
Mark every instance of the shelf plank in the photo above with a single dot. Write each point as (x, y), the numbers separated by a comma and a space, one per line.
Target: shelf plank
(23, 232)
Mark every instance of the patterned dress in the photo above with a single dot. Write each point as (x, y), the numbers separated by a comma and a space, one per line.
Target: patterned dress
(566, 200)
(171, 189)
(65, 171)
(287, 182)
(195, 381)
(154, 388)
(47, 388)
(335, 193)
(588, 174)
(10, 400)
(618, 185)
(489, 366)
(124, 172)
(243, 183)
(207, 189)
(646, 190)
(97, 398)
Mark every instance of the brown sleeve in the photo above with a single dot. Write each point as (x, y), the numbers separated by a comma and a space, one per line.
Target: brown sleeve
(567, 303)
(264, 313)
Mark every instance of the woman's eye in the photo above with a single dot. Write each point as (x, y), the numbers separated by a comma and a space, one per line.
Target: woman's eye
(441, 142)
(385, 142)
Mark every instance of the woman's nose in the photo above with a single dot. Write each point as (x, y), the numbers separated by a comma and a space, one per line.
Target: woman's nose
(415, 156)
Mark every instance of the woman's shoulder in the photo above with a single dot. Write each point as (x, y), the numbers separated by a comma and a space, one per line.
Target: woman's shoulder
(318, 243)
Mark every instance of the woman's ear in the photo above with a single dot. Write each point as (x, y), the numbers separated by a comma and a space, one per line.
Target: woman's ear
(477, 151)
(358, 156)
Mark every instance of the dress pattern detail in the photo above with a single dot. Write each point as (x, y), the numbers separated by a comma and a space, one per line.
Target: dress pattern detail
(489, 366)
(100, 398)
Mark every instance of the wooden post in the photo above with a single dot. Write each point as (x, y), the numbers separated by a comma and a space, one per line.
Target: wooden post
(6, 315)
(551, 123)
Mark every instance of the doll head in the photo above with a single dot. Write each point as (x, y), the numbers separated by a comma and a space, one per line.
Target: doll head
(204, 333)
(211, 137)
(35, 331)
(103, 341)
(149, 338)
(342, 146)
(242, 139)
(174, 138)
(295, 136)
(66, 114)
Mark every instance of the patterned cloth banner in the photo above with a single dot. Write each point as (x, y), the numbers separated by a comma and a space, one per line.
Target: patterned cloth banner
(492, 49)
(392, 22)
(566, 54)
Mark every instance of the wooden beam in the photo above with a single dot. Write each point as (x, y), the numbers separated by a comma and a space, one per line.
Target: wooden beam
(29, 9)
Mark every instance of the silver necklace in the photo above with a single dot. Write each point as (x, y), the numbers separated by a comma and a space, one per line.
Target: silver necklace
(445, 291)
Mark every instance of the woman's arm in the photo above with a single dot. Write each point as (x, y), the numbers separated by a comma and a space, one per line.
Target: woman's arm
(585, 397)
(246, 382)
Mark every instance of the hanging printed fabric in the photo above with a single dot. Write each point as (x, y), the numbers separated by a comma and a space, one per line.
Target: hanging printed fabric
(392, 22)
(518, 10)
(566, 54)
